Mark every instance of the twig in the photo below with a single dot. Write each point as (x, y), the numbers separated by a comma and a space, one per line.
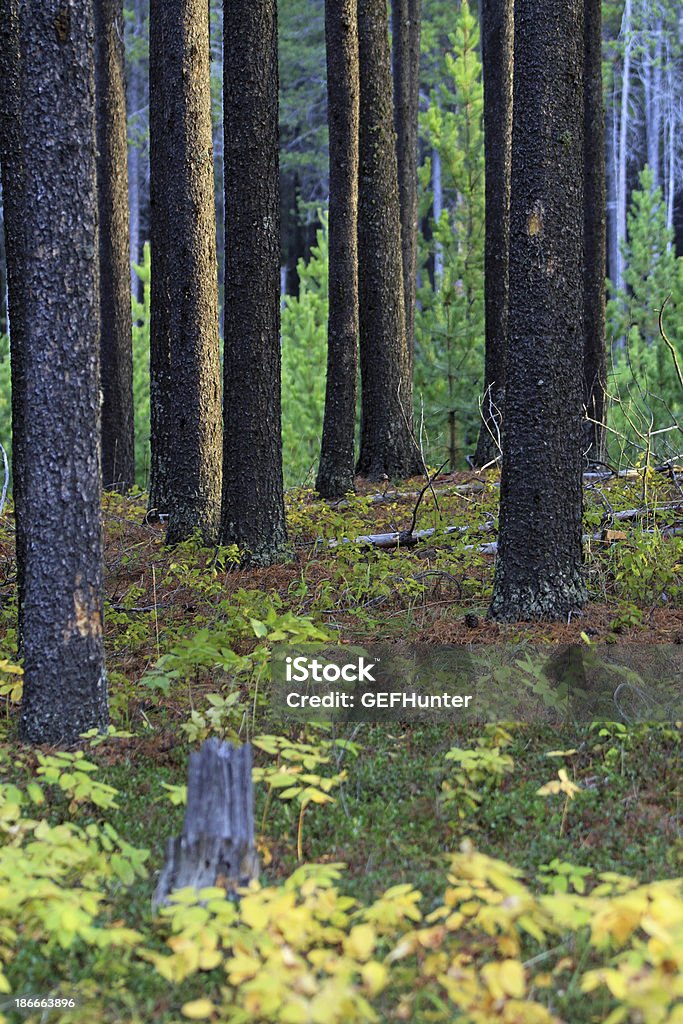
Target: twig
(672, 350)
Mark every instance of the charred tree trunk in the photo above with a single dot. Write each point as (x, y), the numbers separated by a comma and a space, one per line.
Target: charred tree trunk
(116, 353)
(253, 514)
(184, 360)
(538, 571)
(386, 447)
(497, 42)
(405, 40)
(595, 236)
(335, 472)
(48, 157)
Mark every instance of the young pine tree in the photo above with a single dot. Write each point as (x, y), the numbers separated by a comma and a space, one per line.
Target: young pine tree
(450, 328)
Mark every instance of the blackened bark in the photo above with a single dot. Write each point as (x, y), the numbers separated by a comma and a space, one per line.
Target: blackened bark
(116, 353)
(386, 446)
(595, 236)
(253, 514)
(405, 41)
(538, 570)
(497, 42)
(50, 189)
(184, 357)
(335, 472)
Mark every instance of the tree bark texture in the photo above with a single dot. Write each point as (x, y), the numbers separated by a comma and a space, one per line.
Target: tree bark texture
(253, 513)
(497, 41)
(538, 570)
(116, 352)
(48, 158)
(386, 448)
(405, 42)
(335, 472)
(185, 397)
(595, 236)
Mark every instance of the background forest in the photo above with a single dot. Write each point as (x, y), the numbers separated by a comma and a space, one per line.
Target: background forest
(643, 95)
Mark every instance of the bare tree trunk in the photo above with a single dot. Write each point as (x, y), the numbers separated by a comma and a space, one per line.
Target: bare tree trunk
(253, 513)
(48, 156)
(437, 208)
(612, 198)
(622, 196)
(116, 355)
(538, 569)
(335, 472)
(595, 241)
(134, 104)
(405, 33)
(185, 397)
(386, 447)
(497, 41)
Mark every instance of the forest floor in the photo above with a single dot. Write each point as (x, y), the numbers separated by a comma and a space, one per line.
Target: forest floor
(184, 624)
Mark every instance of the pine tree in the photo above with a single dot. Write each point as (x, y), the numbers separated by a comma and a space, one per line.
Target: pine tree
(539, 564)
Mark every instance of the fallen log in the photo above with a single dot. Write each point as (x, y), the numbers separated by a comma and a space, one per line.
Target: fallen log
(216, 847)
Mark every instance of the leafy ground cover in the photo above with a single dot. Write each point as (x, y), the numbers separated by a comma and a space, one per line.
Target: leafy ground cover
(508, 872)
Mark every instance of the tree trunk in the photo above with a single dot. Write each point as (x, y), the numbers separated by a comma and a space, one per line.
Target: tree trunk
(612, 201)
(497, 42)
(217, 846)
(134, 104)
(538, 571)
(116, 353)
(184, 358)
(405, 38)
(437, 208)
(622, 196)
(253, 514)
(386, 447)
(50, 187)
(335, 472)
(595, 238)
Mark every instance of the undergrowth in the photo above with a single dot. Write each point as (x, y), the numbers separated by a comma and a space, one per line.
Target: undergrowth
(416, 871)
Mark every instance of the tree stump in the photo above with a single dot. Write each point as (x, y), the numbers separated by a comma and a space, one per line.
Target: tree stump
(216, 846)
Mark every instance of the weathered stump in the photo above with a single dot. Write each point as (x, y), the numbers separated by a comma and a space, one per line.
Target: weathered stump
(216, 846)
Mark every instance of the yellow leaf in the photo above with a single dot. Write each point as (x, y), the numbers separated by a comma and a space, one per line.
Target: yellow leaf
(360, 942)
(505, 978)
(374, 976)
(198, 1009)
(242, 967)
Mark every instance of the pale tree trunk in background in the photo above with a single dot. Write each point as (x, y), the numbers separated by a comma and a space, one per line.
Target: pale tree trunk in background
(185, 394)
(135, 97)
(116, 356)
(48, 154)
(654, 141)
(253, 511)
(405, 33)
(335, 472)
(673, 125)
(611, 180)
(622, 197)
(497, 43)
(437, 207)
(539, 564)
(595, 360)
